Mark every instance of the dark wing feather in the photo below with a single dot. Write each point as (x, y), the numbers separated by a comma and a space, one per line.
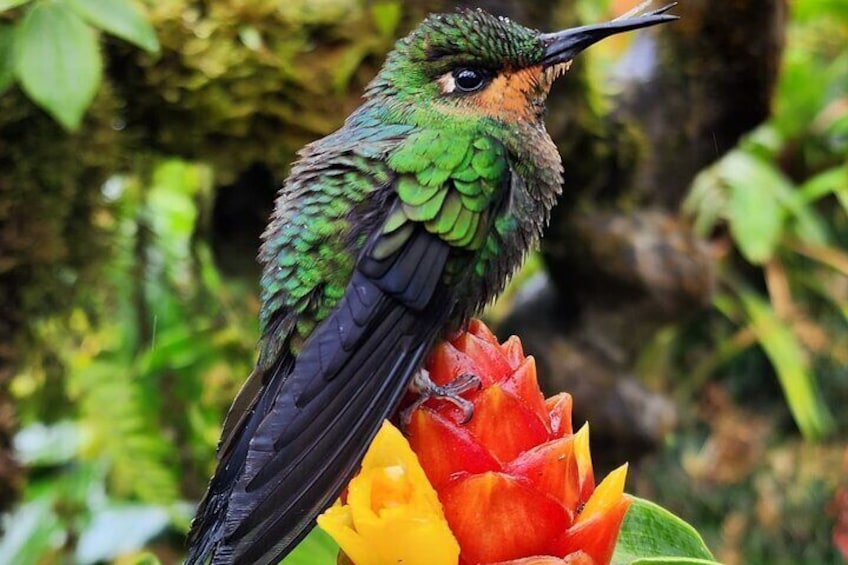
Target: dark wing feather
(315, 416)
(253, 400)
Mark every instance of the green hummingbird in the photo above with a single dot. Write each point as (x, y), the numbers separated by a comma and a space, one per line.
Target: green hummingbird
(388, 234)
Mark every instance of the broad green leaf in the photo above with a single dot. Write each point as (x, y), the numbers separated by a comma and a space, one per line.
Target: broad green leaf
(120, 18)
(58, 61)
(318, 548)
(755, 213)
(9, 4)
(791, 364)
(650, 532)
(7, 67)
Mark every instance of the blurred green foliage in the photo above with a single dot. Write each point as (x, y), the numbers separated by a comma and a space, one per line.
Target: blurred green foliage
(152, 357)
(782, 195)
(775, 209)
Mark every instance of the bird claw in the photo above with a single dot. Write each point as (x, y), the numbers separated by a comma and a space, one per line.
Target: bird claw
(426, 389)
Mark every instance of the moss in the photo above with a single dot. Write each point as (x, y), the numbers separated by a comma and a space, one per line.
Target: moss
(49, 191)
(245, 82)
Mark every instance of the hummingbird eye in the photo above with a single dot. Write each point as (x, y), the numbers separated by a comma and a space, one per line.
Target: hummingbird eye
(469, 80)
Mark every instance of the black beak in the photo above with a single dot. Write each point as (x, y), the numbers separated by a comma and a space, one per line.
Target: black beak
(564, 45)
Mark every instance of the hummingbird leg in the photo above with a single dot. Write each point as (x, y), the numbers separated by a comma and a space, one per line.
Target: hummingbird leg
(425, 388)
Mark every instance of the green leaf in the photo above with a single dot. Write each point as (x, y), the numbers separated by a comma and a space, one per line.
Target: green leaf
(120, 18)
(650, 532)
(58, 61)
(805, 221)
(317, 549)
(706, 202)
(791, 364)
(764, 142)
(832, 181)
(7, 67)
(9, 4)
(755, 213)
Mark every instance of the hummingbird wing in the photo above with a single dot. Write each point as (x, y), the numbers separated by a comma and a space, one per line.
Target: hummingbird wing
(299, 428)
(346, 380)
(314, 415)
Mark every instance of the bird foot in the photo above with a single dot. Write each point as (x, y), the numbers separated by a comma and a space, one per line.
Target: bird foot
(425, 388)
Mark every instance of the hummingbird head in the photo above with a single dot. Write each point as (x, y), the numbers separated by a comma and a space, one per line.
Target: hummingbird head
(470, 64)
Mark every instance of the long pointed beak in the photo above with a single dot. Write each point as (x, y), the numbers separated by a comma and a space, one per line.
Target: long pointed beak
(563, 45)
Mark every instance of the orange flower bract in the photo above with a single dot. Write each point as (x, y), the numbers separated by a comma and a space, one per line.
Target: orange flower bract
(512, 486)
(515, 483)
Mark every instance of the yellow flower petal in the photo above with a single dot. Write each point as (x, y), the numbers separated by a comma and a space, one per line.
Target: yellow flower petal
(393, 515)
(338, 522)
(606, 495)
(582, 453)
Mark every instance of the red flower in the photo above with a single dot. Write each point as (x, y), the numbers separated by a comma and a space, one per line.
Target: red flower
(514, 481)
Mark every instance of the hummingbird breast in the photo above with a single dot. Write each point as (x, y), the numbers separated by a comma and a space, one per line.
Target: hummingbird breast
(531, 188)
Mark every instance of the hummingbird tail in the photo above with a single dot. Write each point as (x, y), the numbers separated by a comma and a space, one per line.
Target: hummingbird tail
(301, 442)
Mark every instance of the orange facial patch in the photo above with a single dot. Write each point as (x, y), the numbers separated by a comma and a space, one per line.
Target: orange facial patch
(512, 95)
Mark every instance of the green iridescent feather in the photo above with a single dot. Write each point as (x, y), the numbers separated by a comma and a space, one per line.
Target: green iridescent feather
(448, 181)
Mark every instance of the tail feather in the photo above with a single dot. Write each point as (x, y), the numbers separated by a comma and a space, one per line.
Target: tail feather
(315, 415)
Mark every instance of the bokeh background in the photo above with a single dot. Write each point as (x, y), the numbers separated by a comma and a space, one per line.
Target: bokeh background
(692, 292)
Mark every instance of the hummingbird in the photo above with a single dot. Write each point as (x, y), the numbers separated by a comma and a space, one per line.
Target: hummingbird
(388, 235)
